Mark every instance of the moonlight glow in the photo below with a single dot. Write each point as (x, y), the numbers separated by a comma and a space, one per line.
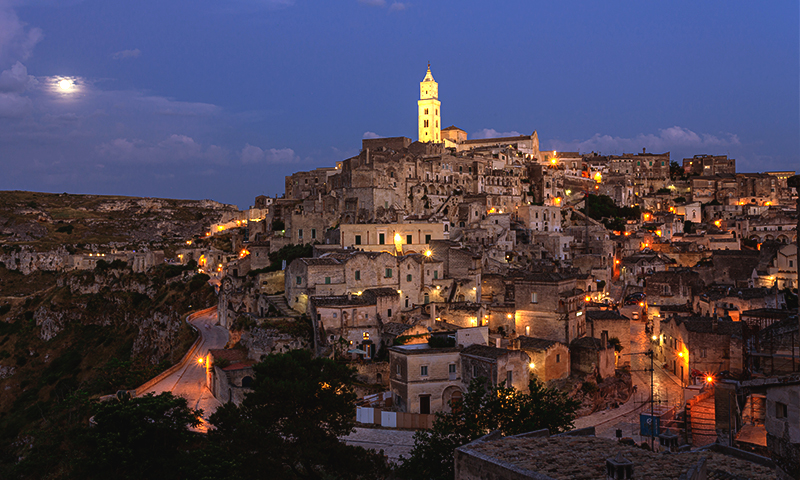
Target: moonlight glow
(66, 85)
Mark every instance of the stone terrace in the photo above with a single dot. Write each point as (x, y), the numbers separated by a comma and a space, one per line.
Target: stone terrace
(579, 458)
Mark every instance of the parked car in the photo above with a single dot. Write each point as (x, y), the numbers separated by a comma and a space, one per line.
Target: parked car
(634, 298)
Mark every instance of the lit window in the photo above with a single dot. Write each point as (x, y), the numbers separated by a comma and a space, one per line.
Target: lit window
(365, 336)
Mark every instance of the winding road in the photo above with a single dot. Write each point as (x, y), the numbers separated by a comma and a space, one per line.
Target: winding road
(189, 381)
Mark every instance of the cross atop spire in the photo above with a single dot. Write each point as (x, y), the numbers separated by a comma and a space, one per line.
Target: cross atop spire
(428, 75)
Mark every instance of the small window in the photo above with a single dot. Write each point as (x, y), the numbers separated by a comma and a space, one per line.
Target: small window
(381, 238)
(334, 316)
(781, 411)
(388, 273)
(474, 370)
(451, 368)
(327, 280)
(426, 111)
(397, 369)
(300, 234)
(389, 313)
(299, 280)
(427, 239)
(426, 299)
(423, 371)
(527, 330)
(358, 239)
(534, 297)
(408, 277)
(409, 239)
(436, 274)
(703, 353)
(426, 124)
(313, 233)
(365, 336)
(358, 274)
(509, 378)
(558, 358)
(407, 303)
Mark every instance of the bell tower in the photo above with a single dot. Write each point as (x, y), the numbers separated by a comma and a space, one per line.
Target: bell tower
(430, 128)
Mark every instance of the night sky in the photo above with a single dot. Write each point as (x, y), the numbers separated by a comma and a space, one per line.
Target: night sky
(222, 99)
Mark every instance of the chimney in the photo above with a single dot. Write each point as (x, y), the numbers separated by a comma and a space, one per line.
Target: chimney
(619, 468)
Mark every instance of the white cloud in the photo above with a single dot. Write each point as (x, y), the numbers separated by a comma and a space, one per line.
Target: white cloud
(252, 154)
(667, 139)
(16, 39)
(398, 7)
(16, 79)
(492, 133)
(371, 135)
(122, 54)
(175, 148)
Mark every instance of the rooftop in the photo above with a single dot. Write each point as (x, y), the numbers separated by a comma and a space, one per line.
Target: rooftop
(584, 458)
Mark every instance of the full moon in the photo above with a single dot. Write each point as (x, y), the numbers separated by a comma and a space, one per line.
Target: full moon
(65, 85)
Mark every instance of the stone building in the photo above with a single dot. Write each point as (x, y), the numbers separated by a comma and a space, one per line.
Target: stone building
(709, 165)
(611, 324)
(355, 321)
(229, 374)
(699, 344)
(549, 359)
(592, 356)
(781, 421)
(496, 366)
(424, 379)
(549, 306)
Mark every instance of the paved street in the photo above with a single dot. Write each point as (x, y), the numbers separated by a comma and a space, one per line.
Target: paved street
(189, 382)
(666, 389)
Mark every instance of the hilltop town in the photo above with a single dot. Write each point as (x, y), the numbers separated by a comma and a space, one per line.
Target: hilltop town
(636, 283)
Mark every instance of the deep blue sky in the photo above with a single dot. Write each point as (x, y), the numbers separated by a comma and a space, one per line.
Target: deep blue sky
(211, 99)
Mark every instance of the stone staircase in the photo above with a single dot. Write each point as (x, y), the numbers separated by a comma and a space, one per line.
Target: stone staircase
(703, 422)
(279, 302)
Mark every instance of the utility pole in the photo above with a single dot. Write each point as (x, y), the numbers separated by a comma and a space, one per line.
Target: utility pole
(652, 370)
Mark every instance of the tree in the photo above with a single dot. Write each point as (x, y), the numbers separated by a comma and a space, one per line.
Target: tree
(137, 438)
(289, 425)
(482, 410)
(675, 170)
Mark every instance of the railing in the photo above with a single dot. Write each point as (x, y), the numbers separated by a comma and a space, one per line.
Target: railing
(376, 416)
